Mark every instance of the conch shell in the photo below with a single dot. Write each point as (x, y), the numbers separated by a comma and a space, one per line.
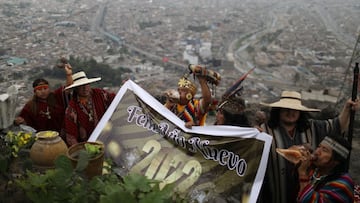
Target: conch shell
(212, 77)
(293, 153)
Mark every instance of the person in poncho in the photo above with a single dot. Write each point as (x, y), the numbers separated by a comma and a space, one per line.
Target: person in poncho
(46, 109)
(85, 109)
(192, 111)
(323, 174)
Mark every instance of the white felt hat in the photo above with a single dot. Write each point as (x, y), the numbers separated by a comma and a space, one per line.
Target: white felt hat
(81, 79)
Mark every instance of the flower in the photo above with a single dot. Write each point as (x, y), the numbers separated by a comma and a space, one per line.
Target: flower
(17, 141)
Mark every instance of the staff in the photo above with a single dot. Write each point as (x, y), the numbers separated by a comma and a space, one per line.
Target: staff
(352, 113)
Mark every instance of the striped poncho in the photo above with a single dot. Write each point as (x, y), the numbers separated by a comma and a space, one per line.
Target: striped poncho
(336, 189)
(193, 111)
(81, 120)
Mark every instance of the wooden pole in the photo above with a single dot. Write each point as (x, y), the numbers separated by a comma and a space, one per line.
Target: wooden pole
(352, 113)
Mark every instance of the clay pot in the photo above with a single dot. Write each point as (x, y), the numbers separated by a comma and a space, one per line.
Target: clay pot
(47, 148)
(95, 165)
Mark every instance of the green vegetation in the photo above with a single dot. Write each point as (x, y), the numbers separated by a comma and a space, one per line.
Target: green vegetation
(66, 184)
(10, 146)
(144, 25)
(92, 150)
(20, 181)
(109, 77)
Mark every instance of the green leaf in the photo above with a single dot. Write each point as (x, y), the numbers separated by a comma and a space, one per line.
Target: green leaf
(135, 182)
(98, 184)
(39, 180)
(4, 164)
(119, 196)
(61, 178)
(83, 161)
(152, 197)
(157, 195)
(64, 163)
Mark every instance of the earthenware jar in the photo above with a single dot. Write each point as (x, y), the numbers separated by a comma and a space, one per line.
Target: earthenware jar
(95, 163)
(47, 148)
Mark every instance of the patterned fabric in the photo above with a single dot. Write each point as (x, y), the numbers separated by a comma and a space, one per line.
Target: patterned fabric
(281, 179)
(340, 189)
(193, 111)
(357, 193)
(81, 120)
(45, 117)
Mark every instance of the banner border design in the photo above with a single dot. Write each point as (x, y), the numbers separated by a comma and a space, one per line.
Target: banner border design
(211, 130)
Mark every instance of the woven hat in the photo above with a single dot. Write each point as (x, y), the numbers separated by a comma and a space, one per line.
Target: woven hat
(290, 100)
(80, 78)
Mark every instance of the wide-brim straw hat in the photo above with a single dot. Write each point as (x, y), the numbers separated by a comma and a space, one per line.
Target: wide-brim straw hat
(290, 100)
(80, 78)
